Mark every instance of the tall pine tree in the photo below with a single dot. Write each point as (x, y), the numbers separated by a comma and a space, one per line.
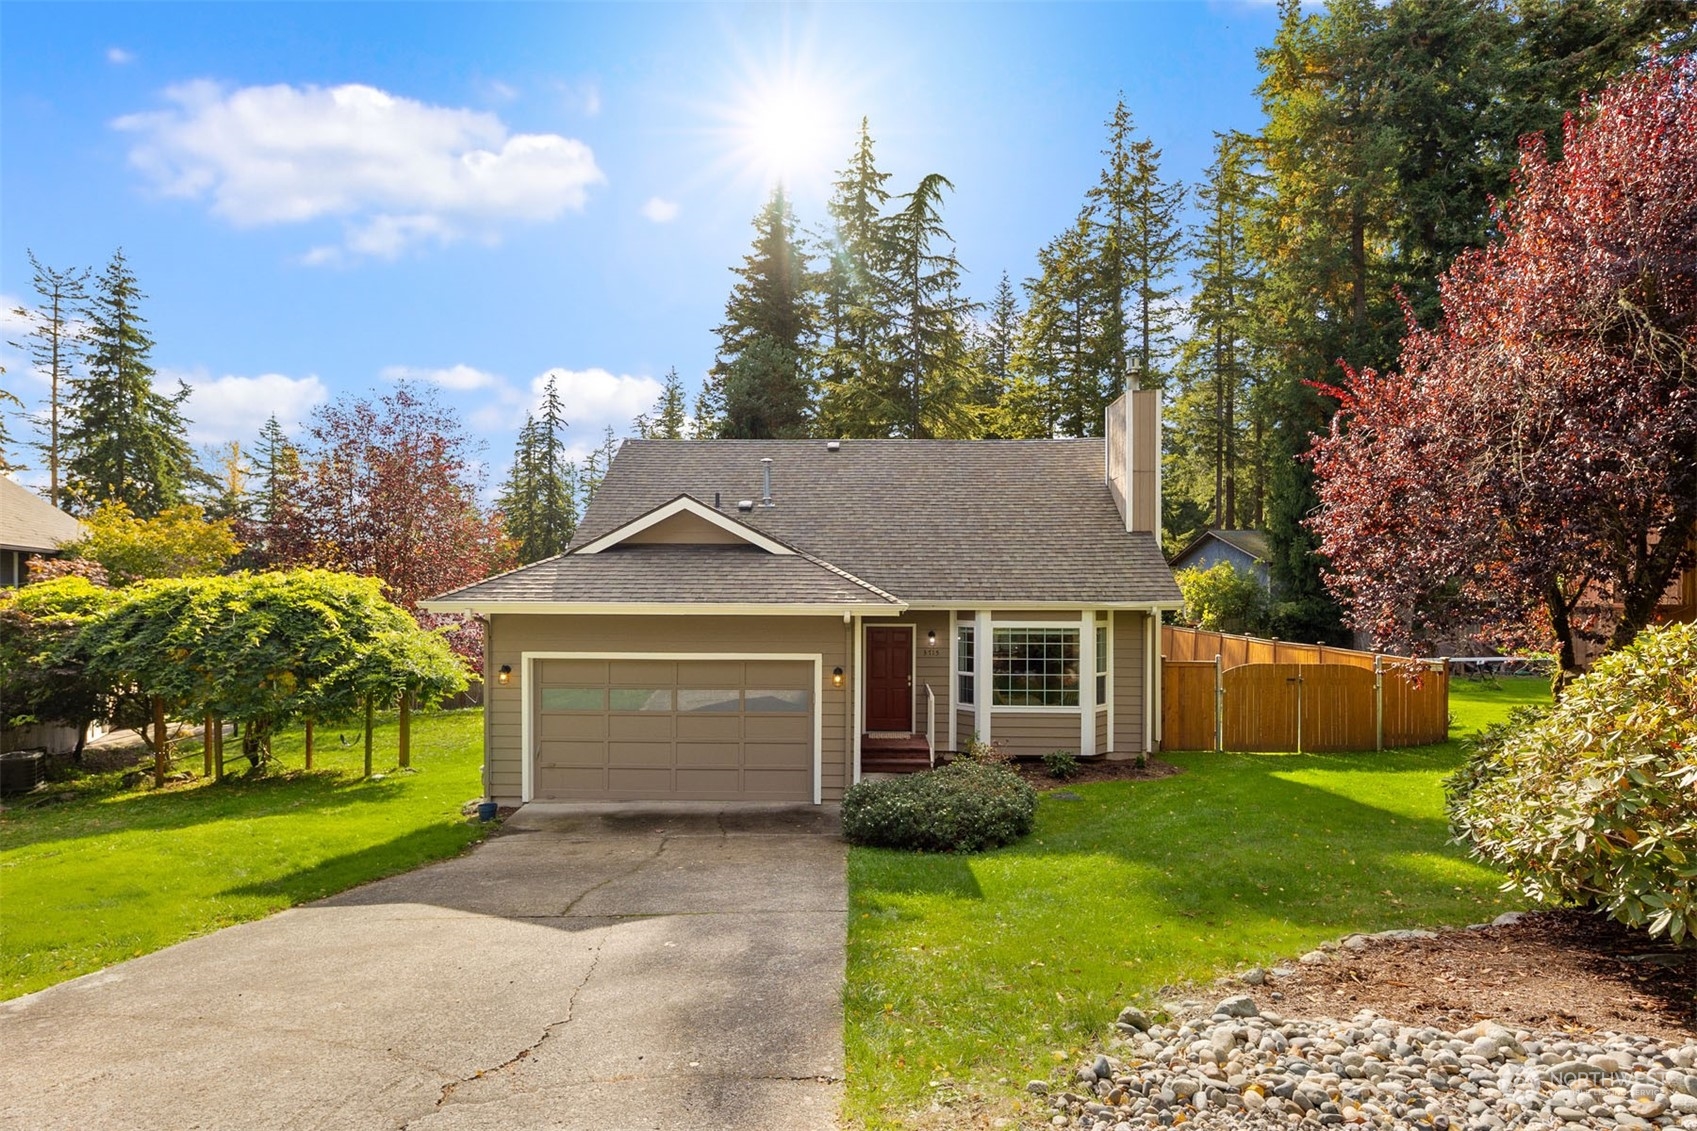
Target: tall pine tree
(1064, 364)
(669, 419)
(763, 371)
(124, 442)
(538, 499)
(854, 306)
(1138, 250)
(52, 345)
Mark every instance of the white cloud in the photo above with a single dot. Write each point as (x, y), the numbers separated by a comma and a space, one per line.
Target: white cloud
(497, 91)
(660, 210)
(396, 172)
(229, 408)
(458, 377)
(117, 56)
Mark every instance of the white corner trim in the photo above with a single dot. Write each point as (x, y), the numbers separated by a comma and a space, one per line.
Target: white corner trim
(684, 505)
(532, 703)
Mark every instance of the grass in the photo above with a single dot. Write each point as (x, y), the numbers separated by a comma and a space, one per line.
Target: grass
(113, 872)
(969, 975)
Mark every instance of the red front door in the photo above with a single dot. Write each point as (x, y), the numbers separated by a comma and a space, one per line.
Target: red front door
(889, 679)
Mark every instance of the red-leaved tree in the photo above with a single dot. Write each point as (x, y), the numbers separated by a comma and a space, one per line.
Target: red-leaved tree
(388, 489)
(1530, 471)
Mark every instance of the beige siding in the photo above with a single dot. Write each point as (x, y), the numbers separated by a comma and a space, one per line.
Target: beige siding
(512, 635)
(932, 669)
(966, 725)
(686, 529)
(1128, 682)
(1102, 743)
(1032, 734)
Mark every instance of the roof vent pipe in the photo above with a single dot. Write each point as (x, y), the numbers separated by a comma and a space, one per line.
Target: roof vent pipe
(715, 500)
(766, 481)
(745, 505)
(833, 445)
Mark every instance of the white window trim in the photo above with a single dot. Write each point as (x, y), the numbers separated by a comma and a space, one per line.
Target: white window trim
(532, 699)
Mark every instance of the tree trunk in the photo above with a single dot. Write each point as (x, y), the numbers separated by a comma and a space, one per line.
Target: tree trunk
(160, 763)
(368, 736)
(217, 748)
(1568, 668)
(309, 744)
(405, 721)
(207, 738)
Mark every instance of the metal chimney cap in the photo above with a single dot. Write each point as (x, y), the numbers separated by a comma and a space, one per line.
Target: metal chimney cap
(765, 459)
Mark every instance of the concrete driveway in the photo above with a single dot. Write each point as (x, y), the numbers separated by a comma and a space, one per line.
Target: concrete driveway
(589, 967)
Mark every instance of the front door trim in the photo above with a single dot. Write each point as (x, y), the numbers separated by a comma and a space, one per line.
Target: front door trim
(527, 677)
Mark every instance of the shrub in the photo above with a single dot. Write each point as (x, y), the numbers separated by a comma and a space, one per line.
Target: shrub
(965, 806)
(1060, 764)
(1596, 800)
(1223, 598)
(989, 753)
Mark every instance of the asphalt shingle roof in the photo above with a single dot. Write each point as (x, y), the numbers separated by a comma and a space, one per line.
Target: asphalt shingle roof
(1000, 521)
(30, 522)
(677, 574)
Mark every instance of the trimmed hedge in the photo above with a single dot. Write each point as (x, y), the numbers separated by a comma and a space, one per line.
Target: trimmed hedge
(1595, 801)
(962, 807)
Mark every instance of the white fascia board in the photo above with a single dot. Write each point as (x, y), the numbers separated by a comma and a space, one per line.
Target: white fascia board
(660, 608)
(1057, 606)
(684, 505)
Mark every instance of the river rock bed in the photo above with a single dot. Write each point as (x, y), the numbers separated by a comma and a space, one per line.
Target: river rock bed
(1231, 1065)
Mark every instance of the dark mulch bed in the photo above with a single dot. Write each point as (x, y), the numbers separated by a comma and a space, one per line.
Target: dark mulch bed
(1094, 770)
(1568, 970)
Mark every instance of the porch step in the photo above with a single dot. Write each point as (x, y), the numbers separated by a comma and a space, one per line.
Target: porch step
(894, 754)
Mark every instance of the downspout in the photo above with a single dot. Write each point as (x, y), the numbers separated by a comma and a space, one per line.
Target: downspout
(851, 741)
(488, 714)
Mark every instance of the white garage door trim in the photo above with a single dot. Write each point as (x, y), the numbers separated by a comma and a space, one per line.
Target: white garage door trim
(527, 677)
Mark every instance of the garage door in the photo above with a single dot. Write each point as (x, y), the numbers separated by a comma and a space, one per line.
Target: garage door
(703, 730)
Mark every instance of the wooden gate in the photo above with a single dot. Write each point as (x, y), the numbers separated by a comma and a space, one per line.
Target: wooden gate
(1311, 699)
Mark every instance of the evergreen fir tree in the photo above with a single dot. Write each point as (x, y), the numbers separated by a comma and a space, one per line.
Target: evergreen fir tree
(52, 344)
(929, 382)
(1139, 248)
(538, 499)
(768, 314)
(124, 441)
(668, 420)
(854, 313)
(1063, 365)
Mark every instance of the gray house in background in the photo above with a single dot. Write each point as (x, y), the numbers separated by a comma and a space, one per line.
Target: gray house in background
(30, 527)
(1246, 550)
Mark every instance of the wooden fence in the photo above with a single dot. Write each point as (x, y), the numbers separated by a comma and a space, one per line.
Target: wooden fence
(1222, 692)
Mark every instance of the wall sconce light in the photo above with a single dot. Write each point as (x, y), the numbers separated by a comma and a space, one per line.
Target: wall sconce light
(836, 677)
(931, 638)
(506, 675)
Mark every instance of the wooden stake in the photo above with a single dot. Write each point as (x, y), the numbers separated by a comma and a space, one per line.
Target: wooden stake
(368, 703)
(405, 721)
(309, 744)
(206, 741)
(159, 762)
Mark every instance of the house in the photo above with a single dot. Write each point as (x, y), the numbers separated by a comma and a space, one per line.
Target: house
(1246, 550)
(769, 620)
(30, 527)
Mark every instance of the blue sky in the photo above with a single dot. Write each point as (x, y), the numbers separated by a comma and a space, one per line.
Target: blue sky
(318, 198)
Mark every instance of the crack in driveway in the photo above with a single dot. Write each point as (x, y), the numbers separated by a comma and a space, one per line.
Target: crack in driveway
(527, 1051)
(633, 870)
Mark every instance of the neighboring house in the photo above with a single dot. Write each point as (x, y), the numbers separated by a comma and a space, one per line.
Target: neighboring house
(30, 527)
(767, 620)
(1246, 550)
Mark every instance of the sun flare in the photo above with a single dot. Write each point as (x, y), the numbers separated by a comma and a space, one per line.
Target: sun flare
(787, 130)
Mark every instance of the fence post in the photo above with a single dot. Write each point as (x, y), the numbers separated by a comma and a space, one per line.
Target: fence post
(1378, 704)
(1299, 710)
(1219, 705)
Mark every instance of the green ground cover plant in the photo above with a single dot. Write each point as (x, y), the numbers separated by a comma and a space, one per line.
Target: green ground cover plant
(965, 972)
(966, 806)
(114, 872)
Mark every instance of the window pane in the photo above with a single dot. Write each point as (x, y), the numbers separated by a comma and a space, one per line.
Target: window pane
(1035, 667)
(789, 701)
(641, 698)
(966, 699)
(690, 700)
(573, 699)
(1101, 650)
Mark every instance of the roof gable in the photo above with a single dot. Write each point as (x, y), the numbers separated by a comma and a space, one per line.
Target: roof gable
(683, 521)
(29, 522)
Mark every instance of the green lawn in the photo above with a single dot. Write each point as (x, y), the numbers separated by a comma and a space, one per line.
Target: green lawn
(971, 969)
(115, 872)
